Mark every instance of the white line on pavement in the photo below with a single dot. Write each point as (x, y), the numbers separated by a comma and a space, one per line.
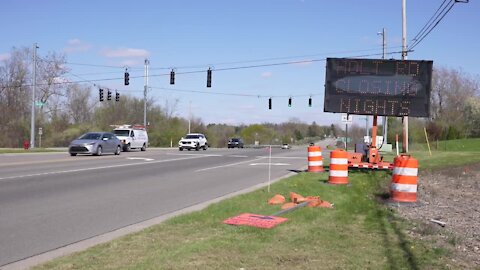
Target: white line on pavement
(98, 168)
(228, 165)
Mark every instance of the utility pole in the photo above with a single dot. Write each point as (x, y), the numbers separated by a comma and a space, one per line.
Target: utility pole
(189, 114)
(404, 57)
(34, 71)
(384, 50)
(145, 94)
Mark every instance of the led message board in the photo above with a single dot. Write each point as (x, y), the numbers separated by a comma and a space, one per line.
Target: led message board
(378, 87)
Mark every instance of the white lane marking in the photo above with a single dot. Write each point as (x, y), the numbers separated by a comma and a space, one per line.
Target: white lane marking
(203, 155)
(305, 158)
(273, 164)
(97, 168)
(236, 156)
(228, 165)
(141, 158)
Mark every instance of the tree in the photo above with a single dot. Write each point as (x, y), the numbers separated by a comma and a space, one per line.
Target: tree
(257, 132)
(472, 117)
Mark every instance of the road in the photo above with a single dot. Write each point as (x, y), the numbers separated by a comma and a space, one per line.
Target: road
(52, 200)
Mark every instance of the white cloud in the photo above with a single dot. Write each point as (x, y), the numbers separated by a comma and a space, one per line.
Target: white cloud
(4, 56)
(76, 45)
(131, 62)
(266, 74)
(125, 53)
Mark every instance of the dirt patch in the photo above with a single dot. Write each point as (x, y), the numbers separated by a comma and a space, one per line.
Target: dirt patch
(451, 196)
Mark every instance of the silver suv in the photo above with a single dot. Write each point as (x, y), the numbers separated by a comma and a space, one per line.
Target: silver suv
(193, 141)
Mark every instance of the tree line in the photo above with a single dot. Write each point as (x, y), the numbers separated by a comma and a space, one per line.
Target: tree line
(70, 109)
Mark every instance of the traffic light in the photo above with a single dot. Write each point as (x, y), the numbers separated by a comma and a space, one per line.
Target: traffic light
(117, 96)
(172, 77)
(209, 77)
(127, 78)
(290, 102)
(109, 95)
(310, 102)
(100, 93)
(270, 103)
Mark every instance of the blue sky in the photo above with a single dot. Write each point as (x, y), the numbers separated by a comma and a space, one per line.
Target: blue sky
(191, 36)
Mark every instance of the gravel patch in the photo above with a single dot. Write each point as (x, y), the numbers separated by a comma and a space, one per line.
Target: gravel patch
(450, 196)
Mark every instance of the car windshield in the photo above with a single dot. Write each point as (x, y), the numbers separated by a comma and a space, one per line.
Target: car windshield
(91, 136)
(235, 140)
(192, 137)
(121, 132)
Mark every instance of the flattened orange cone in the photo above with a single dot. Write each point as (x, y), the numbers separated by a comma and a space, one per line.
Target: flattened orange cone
(288, 205)
(296, 198)
(313, 201)
(277, 199)
(325, 204)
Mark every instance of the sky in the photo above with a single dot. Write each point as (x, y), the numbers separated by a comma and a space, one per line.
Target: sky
(257, 49)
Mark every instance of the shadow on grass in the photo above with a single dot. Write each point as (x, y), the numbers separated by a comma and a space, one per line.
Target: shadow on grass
(388, 221)
(298, 171)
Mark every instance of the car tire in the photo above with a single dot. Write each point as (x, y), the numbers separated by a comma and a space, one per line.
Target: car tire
(180, 149)
(205, 147)
(73, 154)
(119, 149)
(99, 151)
(197, 147)
(126, 148)
(144, 147)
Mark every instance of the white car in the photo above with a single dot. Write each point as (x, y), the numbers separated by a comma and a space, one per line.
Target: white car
(193, 141)
(132, 137)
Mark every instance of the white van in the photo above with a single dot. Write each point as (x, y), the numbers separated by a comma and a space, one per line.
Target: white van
(132, 137)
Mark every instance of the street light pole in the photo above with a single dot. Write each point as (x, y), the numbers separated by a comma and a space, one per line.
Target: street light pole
(34, 73)
(384, 50)
(145, 94)
(404, 57)
(189, 114)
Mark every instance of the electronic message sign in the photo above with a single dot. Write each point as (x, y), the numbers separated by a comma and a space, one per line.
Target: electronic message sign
(378, 87)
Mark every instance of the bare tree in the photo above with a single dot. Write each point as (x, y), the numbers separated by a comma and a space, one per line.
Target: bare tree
(15, 98)
(79, 104)
(451, 88)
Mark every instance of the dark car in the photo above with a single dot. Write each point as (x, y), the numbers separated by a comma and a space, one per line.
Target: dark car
(235, 142)
(95, 143)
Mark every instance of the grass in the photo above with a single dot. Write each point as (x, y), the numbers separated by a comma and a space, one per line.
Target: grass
(358, 233)
(463, 145)
(23, 151)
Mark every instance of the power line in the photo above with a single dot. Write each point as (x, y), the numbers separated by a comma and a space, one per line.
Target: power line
(232, 94)
(432, 24)
(429, 21)
(202, 71)
(217, 64)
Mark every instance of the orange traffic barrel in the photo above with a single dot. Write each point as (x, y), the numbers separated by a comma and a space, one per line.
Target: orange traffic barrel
(315, 161)
(338, 167)
(404, 179)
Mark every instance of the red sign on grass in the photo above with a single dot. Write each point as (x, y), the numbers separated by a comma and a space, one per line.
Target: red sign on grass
(254, 220)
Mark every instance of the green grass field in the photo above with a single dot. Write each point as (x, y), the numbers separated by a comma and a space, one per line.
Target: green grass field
(360, 232)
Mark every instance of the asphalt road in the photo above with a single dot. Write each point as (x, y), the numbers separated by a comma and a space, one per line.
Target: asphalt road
(52, 200)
